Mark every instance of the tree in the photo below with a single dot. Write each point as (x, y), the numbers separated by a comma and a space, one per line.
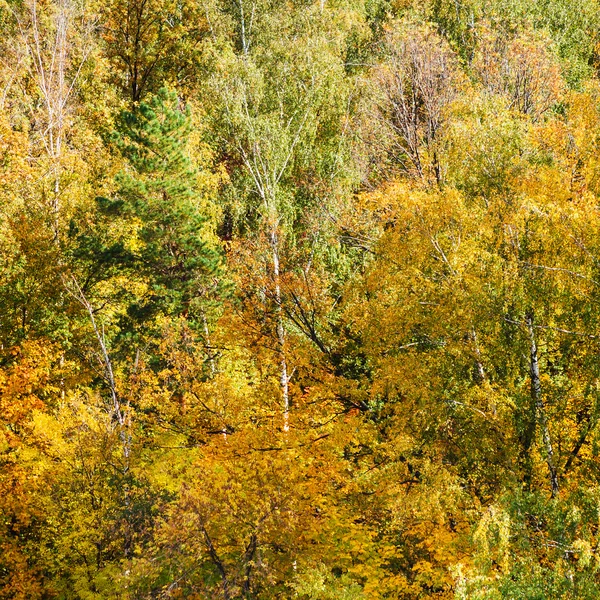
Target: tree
(152, 44)
(280, 126)
(414, 87)
(522, 69)
(168, 245)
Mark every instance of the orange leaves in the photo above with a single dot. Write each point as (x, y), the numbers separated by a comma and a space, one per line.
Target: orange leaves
(13, 151)
(415, 87)
(522, 69)
(27, 381)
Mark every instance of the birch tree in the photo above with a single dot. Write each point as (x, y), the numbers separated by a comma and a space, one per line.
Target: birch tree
(58, 41)
(280, 99)
(415, 86)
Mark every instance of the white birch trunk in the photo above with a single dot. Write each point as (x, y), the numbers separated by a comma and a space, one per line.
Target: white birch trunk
(284, 378)
(536, 392)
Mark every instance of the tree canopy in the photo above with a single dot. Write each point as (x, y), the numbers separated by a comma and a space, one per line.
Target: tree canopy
(299, 299)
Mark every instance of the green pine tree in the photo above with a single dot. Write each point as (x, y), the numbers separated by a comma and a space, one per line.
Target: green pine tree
(160, 191)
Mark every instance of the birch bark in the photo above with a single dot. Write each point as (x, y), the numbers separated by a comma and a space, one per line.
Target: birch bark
(536, 394)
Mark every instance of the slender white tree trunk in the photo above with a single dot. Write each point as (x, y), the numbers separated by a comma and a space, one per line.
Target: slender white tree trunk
(49, 47)
(536, 392)
(281, 341)
(118, 411)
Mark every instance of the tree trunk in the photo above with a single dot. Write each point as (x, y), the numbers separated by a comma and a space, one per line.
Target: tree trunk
(536, 396)
(284, 378)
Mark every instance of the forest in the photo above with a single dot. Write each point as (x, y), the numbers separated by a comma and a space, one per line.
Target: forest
(299, 299)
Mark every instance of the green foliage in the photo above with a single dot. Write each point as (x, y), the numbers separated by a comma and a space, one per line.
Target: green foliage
(167, 246)
(160, 192)
(319, 583)
(574, 32)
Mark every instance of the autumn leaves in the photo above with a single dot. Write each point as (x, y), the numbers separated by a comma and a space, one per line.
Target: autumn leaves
(299, 300)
